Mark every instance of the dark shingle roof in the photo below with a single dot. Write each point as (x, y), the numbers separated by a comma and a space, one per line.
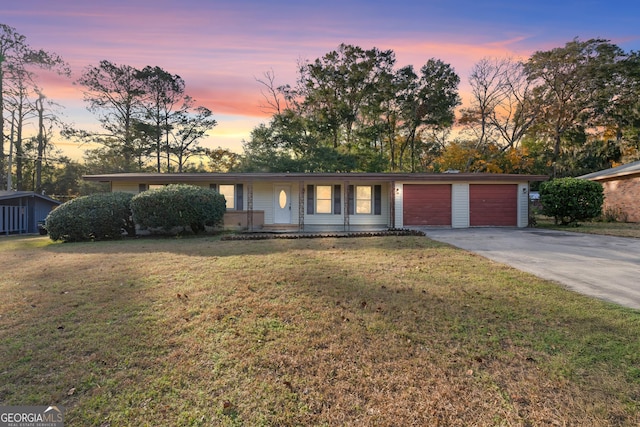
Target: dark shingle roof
(161, 178)
(8, 195)
(628, 169)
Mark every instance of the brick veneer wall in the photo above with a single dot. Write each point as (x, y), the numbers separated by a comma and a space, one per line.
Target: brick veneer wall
(623, 194)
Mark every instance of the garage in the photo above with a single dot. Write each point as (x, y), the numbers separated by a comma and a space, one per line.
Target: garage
(427, 204)
(493, 205)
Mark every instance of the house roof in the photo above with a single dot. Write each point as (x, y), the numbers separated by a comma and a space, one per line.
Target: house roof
(8, 195)
(619, 171)
(162, 178)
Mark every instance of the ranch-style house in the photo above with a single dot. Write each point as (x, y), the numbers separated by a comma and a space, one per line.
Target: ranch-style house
(353, 201)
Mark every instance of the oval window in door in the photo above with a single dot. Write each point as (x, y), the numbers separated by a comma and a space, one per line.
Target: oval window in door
(282, 199)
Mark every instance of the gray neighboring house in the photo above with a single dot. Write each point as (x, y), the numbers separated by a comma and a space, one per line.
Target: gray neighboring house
(621, 189)
(20, 211)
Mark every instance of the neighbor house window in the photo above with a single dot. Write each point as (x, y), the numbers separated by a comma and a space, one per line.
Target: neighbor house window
(229, 193)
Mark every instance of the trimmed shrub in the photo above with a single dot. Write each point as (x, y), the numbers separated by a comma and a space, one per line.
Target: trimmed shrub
(98, 216)
(178, 206)
(569, 200)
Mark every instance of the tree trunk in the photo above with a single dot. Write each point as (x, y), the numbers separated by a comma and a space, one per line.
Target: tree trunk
(2, 176)
(41, 145)
(19, 153)
(10, 164)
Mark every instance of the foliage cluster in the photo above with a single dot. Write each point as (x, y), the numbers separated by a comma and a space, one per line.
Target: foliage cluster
(23, 104)
(103, 216)
(178, 205)
(352, 110)
(148, 121)
(567, 111)
(569, 200)
(146, 116)
(95, 217)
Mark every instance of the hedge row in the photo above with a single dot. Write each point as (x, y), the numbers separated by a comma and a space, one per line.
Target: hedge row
(173, 209)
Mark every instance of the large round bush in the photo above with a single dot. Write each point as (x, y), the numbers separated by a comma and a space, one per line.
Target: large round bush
(570, 200)
(178, 206)
(94, 217)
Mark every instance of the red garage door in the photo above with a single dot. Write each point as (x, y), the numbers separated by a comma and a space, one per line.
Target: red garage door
(493, 204)
(427, 204)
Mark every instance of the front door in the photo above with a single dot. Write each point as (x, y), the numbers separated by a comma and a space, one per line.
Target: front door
(282, 204)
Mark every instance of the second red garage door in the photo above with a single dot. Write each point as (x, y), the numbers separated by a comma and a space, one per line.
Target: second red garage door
(493, 204)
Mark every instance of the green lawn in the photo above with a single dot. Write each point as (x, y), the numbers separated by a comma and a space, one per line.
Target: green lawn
(621, 229)
(385, 331)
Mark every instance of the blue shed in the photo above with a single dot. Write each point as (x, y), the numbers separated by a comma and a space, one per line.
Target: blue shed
(20, 211)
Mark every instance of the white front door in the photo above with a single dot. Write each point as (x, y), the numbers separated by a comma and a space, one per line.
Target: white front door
(282, 204)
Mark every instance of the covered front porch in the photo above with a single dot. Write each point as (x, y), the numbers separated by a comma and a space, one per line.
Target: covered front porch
(315, 205)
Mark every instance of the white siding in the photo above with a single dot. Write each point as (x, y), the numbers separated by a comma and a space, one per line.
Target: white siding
(127, 187)
(460, 205)
(523, 205)
(263, 199)
(381, 220)
(399, 208)
(336, 222)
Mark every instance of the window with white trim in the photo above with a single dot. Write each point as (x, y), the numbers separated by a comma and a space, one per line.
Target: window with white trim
(363, 199)
(324, 199)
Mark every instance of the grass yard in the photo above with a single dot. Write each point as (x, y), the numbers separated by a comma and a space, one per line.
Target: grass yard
(384, 331)
(621, 229)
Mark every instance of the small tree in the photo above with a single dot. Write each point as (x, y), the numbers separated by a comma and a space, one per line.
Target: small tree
(569, 200)
(178, 205)
(95, 217)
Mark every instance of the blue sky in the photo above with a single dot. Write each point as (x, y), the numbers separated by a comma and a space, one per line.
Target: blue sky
(220, 47)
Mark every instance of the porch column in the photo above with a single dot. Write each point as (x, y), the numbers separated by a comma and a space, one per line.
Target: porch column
(346, 206)
(250, 206)
(392, 204)
(301, 206)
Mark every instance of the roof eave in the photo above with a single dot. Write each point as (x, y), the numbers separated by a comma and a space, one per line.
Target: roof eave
(249, 177)
(612, 176)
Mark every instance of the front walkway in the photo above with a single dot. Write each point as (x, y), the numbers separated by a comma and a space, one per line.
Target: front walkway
(313, 235)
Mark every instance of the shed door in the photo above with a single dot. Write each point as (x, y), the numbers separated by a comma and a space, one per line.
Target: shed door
(426, 204)
(493, 204)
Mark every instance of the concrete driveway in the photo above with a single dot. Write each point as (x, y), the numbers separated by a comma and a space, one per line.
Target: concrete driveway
(604, 267)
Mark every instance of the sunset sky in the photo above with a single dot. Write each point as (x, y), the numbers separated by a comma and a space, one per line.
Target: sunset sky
(220, 47)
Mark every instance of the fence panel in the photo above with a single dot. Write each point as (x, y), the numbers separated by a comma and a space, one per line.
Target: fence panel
(13, 219)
